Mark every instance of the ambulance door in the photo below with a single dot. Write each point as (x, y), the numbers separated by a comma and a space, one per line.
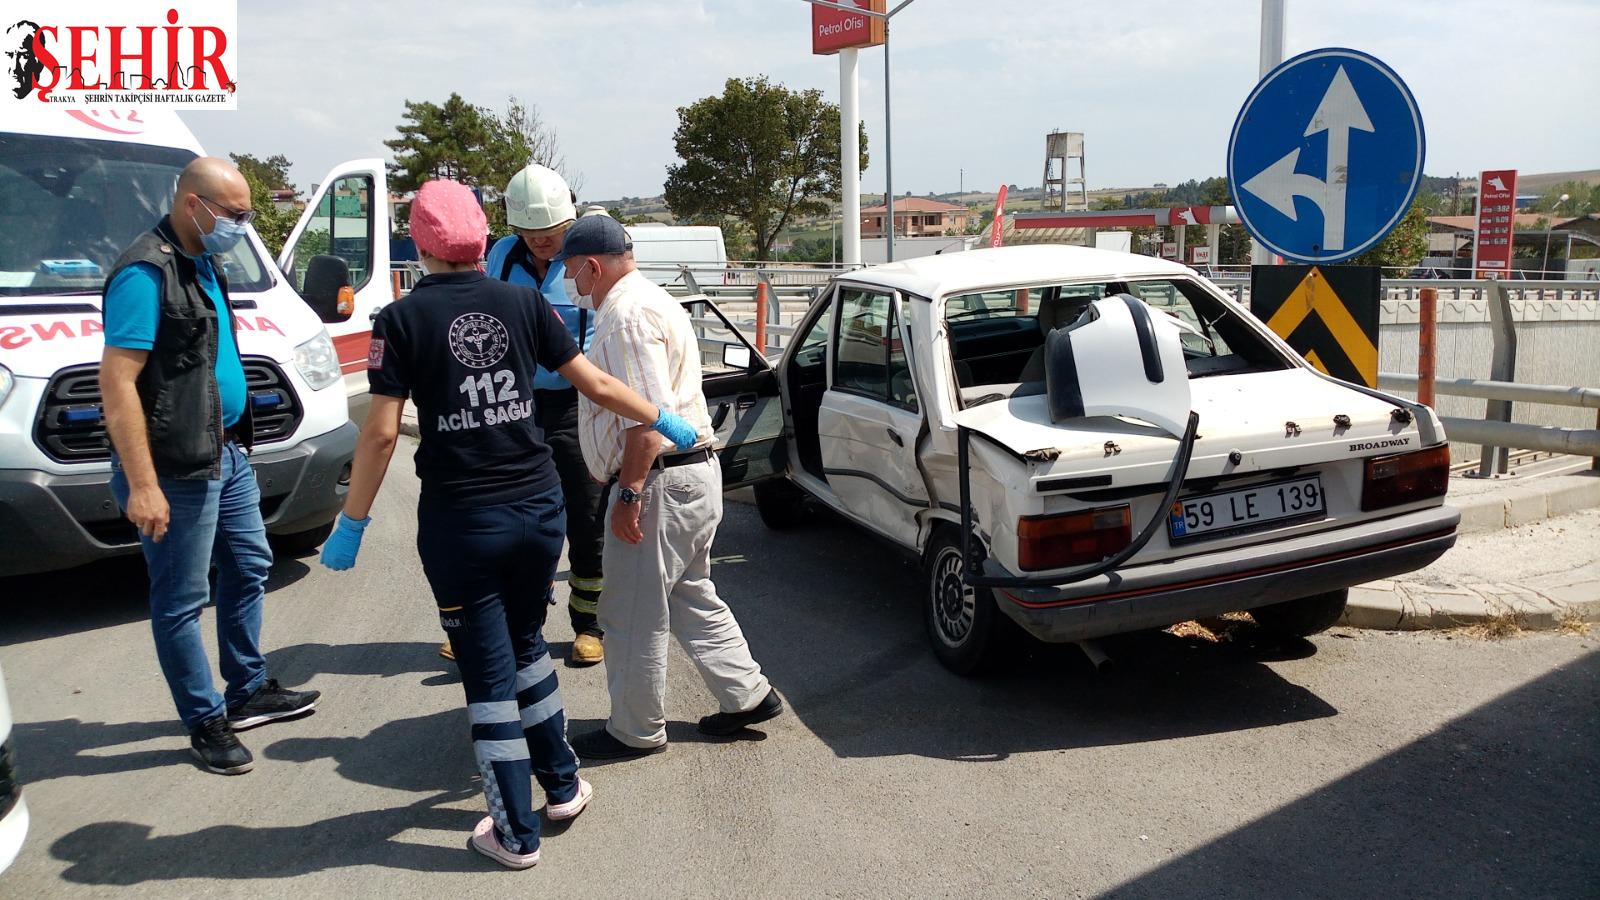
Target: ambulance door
(337, 260)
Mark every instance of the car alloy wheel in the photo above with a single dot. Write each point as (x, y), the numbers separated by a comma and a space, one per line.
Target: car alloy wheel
(955, 602)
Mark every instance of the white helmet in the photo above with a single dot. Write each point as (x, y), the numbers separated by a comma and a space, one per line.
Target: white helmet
(538, 198)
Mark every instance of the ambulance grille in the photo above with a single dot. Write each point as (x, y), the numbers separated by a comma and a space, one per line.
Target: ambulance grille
(71, 427)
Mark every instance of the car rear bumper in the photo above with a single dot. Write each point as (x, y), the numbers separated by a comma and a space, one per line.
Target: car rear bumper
(1159, 594)
(55, 522)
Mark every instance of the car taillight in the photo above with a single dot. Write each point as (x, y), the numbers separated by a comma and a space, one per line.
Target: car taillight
(1072, 539)
(1405, 478)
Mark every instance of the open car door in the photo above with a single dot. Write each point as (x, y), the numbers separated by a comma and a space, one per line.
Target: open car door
(337, 260)
(741, 391)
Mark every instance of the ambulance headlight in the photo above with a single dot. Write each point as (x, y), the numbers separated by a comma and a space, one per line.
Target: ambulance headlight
(7, 382)
(317, 361)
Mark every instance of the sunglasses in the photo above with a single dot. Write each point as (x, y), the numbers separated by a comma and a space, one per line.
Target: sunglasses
(239, 216)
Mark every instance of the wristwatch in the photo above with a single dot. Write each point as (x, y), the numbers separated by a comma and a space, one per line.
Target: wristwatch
(628, 495)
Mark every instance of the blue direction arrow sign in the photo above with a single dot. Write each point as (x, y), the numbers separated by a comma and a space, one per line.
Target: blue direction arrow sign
(1326, 155)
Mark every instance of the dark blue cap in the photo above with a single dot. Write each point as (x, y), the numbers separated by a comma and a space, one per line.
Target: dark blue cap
(594, 236)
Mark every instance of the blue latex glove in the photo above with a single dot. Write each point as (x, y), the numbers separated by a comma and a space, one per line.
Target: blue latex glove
(675, 429)
(340, 549)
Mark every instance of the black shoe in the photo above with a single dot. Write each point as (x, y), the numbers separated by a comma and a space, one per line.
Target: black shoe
(599, 744)
(723, 724)
(270, 703)
(214, 744)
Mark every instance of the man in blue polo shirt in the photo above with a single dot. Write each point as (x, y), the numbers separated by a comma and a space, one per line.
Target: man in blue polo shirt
(178, 415)
(540, 207)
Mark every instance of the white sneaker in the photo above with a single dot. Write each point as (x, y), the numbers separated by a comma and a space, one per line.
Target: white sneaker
(559, 812)
(486, 841)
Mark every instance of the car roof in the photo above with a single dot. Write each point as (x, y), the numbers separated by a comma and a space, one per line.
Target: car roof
(954, 273)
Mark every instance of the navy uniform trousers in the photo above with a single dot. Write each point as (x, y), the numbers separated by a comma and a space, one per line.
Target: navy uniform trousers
(490, 569)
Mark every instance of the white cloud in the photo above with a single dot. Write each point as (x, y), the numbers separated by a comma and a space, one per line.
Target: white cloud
(1156, 85)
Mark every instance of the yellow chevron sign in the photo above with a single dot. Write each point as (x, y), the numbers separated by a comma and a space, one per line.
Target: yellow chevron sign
(1327, 314)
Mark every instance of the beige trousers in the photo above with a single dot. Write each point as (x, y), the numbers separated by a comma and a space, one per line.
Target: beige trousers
(664, 585)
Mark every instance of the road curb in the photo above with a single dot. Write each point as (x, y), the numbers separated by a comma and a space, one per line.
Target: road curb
(1542, 603)
(1540, 499)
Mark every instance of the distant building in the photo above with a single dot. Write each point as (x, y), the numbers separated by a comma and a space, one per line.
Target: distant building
(916, 217)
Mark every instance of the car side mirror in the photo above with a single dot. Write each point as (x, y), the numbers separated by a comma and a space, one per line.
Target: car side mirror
(327, 288)
(736, 356)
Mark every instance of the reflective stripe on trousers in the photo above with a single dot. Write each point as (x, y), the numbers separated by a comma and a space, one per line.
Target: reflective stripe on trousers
(490, 568)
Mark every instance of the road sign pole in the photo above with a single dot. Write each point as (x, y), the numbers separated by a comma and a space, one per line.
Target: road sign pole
(1271, 55)
(888, 155)
(850, 151)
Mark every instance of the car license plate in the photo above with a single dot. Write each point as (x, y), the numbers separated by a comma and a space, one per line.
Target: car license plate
(1230, 512)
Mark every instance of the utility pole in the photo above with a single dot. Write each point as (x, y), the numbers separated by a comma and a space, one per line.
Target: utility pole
(1271, 55)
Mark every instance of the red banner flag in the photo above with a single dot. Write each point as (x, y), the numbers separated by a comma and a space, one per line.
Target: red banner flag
(999, 218)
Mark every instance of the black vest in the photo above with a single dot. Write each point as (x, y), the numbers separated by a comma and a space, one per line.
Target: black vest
(178, 386)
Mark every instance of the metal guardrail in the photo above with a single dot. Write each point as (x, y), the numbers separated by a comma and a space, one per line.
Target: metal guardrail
(1492, 434)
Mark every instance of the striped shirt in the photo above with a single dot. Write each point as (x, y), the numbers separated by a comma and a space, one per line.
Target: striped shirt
(643, 338)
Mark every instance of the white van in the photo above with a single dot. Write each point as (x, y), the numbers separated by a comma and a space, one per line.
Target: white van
(75, 188)
(663, 251)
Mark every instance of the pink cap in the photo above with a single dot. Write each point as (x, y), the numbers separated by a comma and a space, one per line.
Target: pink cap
(447, 221)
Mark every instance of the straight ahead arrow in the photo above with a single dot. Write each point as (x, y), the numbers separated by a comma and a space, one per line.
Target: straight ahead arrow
(1339, 113)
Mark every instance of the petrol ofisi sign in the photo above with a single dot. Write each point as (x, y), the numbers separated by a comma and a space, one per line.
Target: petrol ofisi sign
(1497, 208)
(833, 30)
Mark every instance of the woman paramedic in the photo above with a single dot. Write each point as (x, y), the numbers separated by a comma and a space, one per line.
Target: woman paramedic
(490, 520)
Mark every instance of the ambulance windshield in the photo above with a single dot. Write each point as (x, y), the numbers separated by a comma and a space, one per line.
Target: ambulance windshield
(68, 208)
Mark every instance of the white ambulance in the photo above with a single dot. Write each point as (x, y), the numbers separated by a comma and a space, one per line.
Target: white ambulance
(75, 188)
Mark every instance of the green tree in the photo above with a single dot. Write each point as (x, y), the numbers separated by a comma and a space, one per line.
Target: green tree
(1582, 199)
(270, 222)
(459, 141)
(759, 154)
(1403, 247)
(273, 172)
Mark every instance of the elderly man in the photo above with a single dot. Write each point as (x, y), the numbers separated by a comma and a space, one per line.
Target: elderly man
(539, 208)
(180, 431)
(664, 509)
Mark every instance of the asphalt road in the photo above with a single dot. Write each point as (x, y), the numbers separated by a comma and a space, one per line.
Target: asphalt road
(1361, 763)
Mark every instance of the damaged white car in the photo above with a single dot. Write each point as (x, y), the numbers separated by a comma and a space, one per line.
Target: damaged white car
(1081, 443)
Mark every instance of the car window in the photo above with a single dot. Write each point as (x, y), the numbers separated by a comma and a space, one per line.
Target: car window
(1170, 297)
(861, 363)
(814, 343)
(871, 357)
(902, 391)
(1023, 302)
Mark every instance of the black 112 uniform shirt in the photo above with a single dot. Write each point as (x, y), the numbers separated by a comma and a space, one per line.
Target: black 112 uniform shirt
(465, 348)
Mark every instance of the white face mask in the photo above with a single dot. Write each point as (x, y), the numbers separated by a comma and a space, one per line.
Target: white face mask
(581, 301)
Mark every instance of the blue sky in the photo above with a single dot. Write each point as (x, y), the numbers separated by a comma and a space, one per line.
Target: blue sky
(1156, 85)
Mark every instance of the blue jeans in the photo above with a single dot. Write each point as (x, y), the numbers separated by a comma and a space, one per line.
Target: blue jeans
(212, 523)
(490, 568)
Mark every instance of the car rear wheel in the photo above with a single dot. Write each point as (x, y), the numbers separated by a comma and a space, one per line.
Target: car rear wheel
(300, 543)
(782, 506)
(969, 633)
(1304, 617)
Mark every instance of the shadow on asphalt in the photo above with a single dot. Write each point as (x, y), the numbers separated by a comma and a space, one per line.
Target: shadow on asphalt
(126, 853)
(845, 643)
(100, 595)
(1500, 802)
